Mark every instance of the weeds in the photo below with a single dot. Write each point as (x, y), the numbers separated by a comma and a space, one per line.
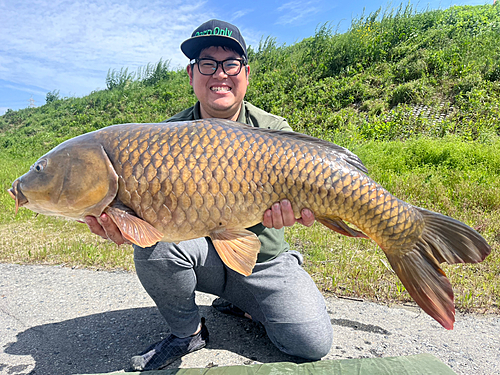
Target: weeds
(415, 95)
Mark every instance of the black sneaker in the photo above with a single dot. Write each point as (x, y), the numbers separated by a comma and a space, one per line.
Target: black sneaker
(226, 307)
(168, 350)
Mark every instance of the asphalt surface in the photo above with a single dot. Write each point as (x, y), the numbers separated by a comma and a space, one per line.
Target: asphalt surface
(57, 320)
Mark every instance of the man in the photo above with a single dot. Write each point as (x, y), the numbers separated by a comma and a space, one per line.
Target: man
(279, 293)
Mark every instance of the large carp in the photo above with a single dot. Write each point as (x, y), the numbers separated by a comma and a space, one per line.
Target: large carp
(179, 181)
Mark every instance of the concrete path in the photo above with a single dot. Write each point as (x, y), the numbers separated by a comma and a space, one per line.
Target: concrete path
(60, 321)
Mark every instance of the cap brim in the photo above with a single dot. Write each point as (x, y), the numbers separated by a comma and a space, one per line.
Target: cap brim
(192, 46)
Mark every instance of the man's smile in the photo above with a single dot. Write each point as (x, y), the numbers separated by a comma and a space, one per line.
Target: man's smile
(220, 88)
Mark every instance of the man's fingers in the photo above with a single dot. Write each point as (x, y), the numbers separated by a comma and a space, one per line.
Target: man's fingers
(95, 227)
(277, 216)
(105, 228)
(112, 231)
(281, 215)
(267, 221)
(287, 215)
(307, 218)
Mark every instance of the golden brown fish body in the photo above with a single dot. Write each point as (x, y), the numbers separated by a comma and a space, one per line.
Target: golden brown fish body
(190, 179)
(215, 178)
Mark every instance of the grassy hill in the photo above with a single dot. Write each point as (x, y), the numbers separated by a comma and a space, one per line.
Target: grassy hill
(415, 95)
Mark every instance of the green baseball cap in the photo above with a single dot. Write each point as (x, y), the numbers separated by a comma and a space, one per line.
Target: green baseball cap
(214, 33)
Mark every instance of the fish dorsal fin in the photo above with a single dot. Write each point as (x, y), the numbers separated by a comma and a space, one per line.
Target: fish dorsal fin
(238, 249)
(134, 228)
(336, 224)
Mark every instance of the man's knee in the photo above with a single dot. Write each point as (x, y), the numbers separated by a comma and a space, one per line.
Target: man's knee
(159, 251)
(186, 253)
(310, 341)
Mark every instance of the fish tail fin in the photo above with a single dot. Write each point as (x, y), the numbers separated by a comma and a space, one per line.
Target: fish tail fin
(443, 240)
(426, 283)
(452, 241)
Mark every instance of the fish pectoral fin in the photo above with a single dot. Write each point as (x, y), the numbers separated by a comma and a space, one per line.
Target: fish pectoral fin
(336, 224)
(134, 228)
(238, 249)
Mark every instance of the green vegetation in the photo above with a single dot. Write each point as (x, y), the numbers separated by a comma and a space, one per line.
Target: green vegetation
(415, 95)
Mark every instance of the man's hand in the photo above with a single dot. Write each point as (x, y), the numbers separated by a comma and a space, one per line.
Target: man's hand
(281, 215)
(278, 216)
(106, 228)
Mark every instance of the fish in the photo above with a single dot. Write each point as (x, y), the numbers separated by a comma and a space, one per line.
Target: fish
(215, 178)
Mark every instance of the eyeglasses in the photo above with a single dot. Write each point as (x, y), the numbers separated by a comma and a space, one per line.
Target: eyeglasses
(207, 67)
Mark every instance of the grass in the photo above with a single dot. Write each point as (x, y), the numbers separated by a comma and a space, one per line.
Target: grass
(56, 241)
(27, 238)
(415, 95)
(358, 268)
(432, 173)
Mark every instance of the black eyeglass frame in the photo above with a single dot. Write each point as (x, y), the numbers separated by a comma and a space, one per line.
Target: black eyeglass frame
(242, 62)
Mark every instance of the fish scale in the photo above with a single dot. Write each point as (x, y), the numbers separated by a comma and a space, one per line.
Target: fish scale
(193, 171)
(215, 178)
(225, 161)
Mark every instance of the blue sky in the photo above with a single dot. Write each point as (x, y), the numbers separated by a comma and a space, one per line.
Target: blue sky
(70, 45)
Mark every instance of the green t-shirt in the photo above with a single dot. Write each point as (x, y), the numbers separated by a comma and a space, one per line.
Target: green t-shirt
(272, 240)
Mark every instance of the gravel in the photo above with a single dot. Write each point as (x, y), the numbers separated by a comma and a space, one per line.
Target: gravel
(58, 320)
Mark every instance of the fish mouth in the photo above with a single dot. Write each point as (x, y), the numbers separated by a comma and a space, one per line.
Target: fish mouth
(15, 193)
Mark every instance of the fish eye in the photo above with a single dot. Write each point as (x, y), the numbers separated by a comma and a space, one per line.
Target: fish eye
(39, 165)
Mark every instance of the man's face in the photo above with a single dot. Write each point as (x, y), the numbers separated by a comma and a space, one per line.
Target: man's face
(220, 95)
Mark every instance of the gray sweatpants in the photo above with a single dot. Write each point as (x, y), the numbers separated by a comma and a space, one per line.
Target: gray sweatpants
(279, 293)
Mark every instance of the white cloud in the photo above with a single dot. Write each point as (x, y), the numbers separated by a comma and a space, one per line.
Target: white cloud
(71, 45)
(239, 14)
(26, 89)
(297, 11)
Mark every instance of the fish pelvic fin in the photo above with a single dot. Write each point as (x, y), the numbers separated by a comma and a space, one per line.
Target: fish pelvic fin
(443, 239)
(238, 249)
(338, 225)
(133, 228)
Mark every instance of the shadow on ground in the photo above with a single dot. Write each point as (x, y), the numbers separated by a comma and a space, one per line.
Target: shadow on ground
(104, 342)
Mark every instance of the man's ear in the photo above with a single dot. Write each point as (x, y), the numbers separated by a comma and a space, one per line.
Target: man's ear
(189, 70)
(247, 70)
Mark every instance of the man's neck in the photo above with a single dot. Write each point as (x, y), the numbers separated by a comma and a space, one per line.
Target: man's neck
(227, 116)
